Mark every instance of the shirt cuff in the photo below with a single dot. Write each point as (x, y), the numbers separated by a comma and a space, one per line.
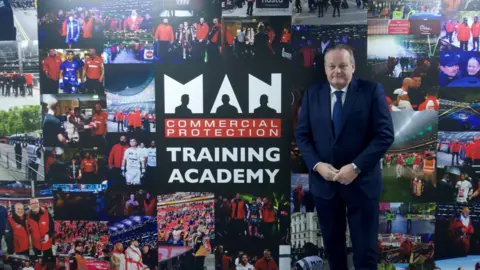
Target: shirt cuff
(314, 167)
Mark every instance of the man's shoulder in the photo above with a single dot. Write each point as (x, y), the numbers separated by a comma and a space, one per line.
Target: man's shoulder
(366, 85)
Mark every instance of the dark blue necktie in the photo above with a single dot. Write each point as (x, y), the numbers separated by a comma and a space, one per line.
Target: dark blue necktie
(337, 112)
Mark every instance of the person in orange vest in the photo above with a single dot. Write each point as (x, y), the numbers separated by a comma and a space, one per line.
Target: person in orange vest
(475, 33)
(431, 102)
(449, 29)
(99, 119)
(455, 152)
(463, 34)
(469, 150)
(16, 234)
(269, 219)
(89, 169)
(51, 68)
(164, 38)
(41, 229)
(137, 120)
(87, 27)
(77, 262)
(119, 118)
(131, 122)
(429, 169)
(461, 229)
(267, 262)
(451, 5)
(29, 82)
(238, 214)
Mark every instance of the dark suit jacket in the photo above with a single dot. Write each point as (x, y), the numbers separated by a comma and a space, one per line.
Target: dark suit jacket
(365, 136)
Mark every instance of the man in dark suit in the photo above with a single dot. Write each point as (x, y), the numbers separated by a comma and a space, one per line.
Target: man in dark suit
(344, 129)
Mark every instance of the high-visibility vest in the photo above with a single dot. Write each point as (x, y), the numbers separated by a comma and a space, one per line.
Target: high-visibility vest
(429, 166)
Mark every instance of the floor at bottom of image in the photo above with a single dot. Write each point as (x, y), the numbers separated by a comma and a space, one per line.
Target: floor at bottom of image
(467, 263)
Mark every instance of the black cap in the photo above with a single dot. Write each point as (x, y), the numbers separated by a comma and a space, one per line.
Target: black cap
(450, 59)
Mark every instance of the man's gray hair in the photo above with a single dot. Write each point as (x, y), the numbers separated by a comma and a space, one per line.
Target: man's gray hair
(343, 47)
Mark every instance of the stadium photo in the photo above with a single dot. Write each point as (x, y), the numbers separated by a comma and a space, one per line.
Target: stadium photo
(85, 239)
(135, 238)
(305, 230)
(186, 226)
(132, 160)
(76, 167)
(89, 198)
(458, 149)
(255, 39)
(459, 110)
(254, 223)
(239, 9)
(24, 206)
(459, 68)
(456, 236)
(76, 122)
(71, 71)
(309, 44)
(130, 93)
(458, 184)
(301, 199)
(19, 82)
(136, 202)
(408, 167)
(406, 233)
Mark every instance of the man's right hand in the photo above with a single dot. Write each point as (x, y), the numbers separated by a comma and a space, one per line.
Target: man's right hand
(327, 171)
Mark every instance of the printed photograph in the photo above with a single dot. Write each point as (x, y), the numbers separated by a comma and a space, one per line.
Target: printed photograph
(252, 225)
(460, 31)
(267, 8)
(133, 242)
(9, 28)
(135, 202)
(458, 149)
(326, 12)
(408, 167)
(186, 227)
(459, 69)
(458, 184)
(82, 243)
(184, 30)
(405, 17)
(407, 233)
(459, 110)
(456, 234)
(257, 38)
(301, 199)
(79, 202)
(449, 7)
(24, 19)
(130, 93)
(27, 221)
(72, 71)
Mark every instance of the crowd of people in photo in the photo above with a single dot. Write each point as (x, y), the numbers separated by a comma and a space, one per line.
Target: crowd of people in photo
(460, 185)
(461, 32)
(91, 203)
(323, 5)
(93, 234)
(228, 260)
(463, 151)
(137, 119)
(402, 10)
(16, 84)
(87, 167)
(139, 203)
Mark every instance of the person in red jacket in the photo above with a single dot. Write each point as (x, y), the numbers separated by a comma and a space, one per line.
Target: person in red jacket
(455, 152)
(238, 216)
(267, 262)
(115, 159)
(29, 83)
(463, 34)
(16, 236)
(41, 229)
(51, 68)
(120, 118)
(475, 33)
(164, 37)
(431, 102)
(449, 29)
(201, 40)
(461, 229)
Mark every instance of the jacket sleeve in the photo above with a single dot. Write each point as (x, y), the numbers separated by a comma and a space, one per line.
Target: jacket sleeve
(383, 136)
(303, 134)
(51, 227)
(9, 238)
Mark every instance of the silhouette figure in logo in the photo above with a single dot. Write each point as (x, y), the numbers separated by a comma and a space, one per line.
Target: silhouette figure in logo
(263, 109)
(183, 110)
(226, 109)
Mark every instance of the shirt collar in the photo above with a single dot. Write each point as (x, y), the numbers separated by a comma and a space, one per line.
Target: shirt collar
(332, 90)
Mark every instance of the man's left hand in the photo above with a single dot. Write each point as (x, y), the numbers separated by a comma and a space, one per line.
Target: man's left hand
(346, 175)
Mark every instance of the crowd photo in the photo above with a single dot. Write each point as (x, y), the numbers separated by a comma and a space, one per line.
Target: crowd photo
(186, 225)
(459, 185)
(90, 198)
(130, 203)
(251, 226)
(130, 93)
(458, 149)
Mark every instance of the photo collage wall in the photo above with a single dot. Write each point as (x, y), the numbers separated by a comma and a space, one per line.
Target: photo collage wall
(93, 89)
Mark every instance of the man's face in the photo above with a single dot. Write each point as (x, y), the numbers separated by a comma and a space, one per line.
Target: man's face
(165, 21)
(135, 243)
(133, 143)
(145, 249)
(268, 255)
(123, 139)
(153, 144)
(52, 52)
(465, 214)
(119, 247)
(473, 67)
(338, 68)
(244, 259)
(92, 52)
(35, 205)
(87, 155)
(450, 71)
(202, 20)
(19, 210)
(69, 56)
(98, 107)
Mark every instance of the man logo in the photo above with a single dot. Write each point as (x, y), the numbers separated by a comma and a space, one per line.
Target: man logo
(183, 2)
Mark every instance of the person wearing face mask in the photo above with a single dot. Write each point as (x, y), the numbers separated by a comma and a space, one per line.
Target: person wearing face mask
(73, 31)
(164, 38)
(342, 150)
(133, 22)
(16, 236)
(115, 159)
(462, 229)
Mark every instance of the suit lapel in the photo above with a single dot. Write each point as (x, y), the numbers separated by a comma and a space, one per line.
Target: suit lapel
(326, 105)
(352, 96)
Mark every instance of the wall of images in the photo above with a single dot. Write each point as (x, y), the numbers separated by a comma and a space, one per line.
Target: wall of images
(92, 90)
